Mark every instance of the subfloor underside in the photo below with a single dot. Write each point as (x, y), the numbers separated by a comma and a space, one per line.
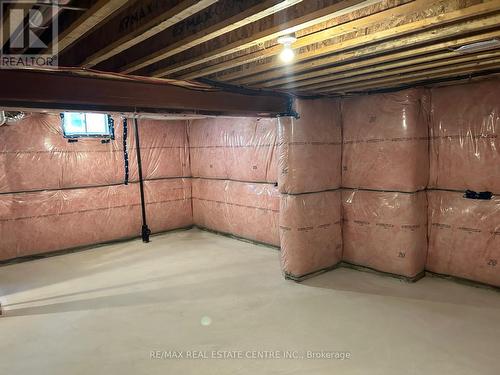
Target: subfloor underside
(134, 308)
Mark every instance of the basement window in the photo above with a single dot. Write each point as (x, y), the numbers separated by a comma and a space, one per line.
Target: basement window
(87, 125)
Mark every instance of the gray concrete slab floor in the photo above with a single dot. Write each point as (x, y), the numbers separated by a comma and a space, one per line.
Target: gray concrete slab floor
(134, 308)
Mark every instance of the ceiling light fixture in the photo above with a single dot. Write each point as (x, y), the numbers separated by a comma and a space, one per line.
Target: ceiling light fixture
(479, 46)
(287, 55)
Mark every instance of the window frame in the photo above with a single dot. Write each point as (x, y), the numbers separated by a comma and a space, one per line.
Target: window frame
(110, 123)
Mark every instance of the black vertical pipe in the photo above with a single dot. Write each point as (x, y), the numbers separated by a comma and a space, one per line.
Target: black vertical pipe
(125, 150)
(145, 230)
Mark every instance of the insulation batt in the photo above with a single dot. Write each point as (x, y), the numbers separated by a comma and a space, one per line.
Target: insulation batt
(234, 148)
(310, 232)
(40, 222)
(244, 209)
(168, 204)
(35, 156)
(385, 141)
(465, 137)
(310, 147)
(164, 148)
(464, 237)
(385, 231)
(36, 163)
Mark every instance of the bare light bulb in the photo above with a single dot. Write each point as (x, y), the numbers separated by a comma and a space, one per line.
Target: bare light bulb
(287, 55)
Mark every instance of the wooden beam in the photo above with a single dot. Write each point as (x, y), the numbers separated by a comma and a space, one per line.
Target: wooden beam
(456, 75)
(448, 59)
(313, 37)
(287, 21)
(377, 36)
(352, 74)
(91, 91)
(160, 19)
(318, 76)
(421, 80)
(417, 38)
(223, 25)
(62, 6)
(448, 71)
(310, 38)
(88, 21)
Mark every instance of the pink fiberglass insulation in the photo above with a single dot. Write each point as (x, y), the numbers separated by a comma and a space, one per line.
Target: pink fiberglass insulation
(93, 207)
(40, 222)
(385, 141)
(310, 232)
(464, 237)
(465, 137)
(168, 204)
(234, 148)
(35, 156)
(385, 231)
(310, 147)
(164, 149)
(248, 210)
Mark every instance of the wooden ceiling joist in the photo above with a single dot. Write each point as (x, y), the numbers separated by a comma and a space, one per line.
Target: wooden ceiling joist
(225, 24)
(342, 46)
(88, 22)
(302, 15)
(158, 20)
(317, 79)
(306, 40)
(407, 79)
(434, 22)
(484, 57)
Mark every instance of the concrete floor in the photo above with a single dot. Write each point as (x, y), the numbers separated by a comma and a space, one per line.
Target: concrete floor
(105, 310)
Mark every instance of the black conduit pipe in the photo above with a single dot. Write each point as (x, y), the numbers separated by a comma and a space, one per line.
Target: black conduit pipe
(125, 150)
(145, 229)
